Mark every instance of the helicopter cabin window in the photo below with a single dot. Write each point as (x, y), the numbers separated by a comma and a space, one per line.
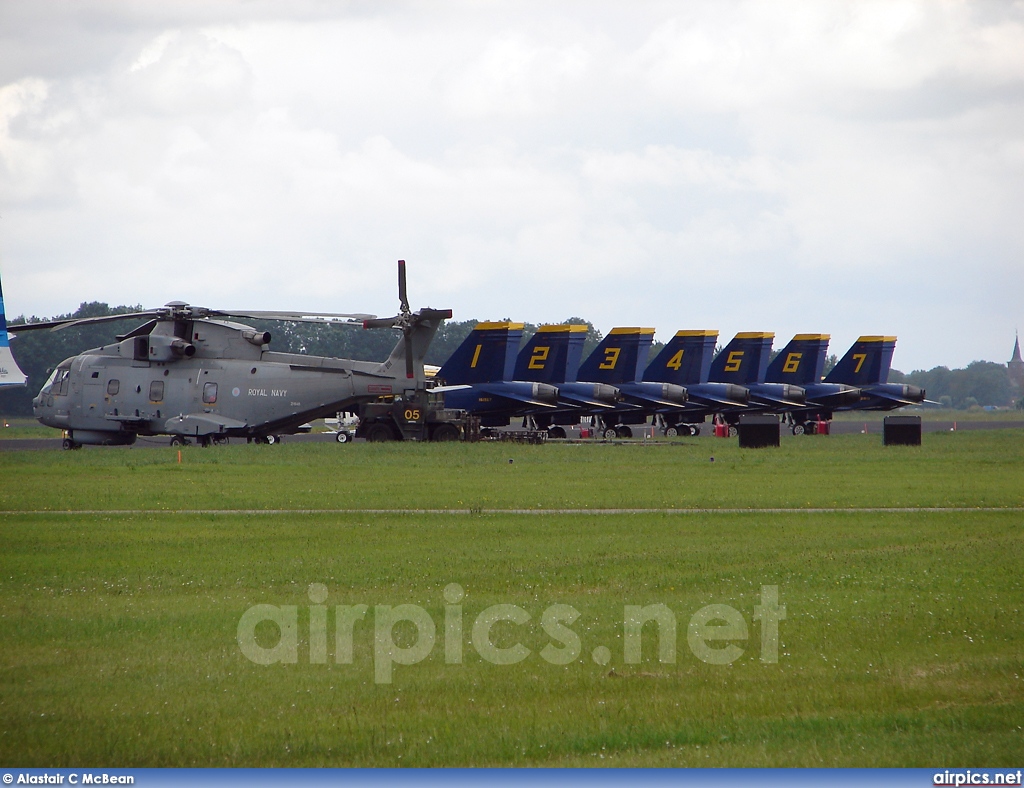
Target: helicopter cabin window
(113, 386)
(210, 393)
(156, 391)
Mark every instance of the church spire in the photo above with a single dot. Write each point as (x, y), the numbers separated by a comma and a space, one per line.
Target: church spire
(1015, 368)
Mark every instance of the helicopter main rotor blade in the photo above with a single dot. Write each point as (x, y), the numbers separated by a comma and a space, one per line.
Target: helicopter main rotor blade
(299, 317)
(433, 314)
(57, 325)
(383, 322)
(414, 319)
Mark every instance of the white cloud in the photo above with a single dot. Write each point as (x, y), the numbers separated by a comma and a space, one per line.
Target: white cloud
(514, 77)
(843, 167)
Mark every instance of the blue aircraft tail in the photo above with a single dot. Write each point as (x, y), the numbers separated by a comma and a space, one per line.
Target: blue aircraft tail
(552, 355)
(487, 355)
(685, 360)
(801, 362)
(10, 373)
(744, 360)
(866, 363)
(620, 358)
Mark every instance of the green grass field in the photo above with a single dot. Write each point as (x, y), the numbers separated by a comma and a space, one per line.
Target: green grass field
(930, 413)
(903, 642)
(21, 428)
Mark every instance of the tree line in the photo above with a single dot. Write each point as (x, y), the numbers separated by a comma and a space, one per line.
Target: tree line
(39, 352)
(980, 383)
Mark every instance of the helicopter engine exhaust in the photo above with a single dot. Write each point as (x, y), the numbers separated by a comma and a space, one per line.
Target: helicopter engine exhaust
(182, 348)
(258, 338)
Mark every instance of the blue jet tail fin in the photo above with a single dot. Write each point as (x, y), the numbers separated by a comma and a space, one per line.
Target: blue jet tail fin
(801, 362)
(487, 355)
(866, 363)
(552, 355)
(685, 360)
(620, 357)
(10, 373)
(744, 360)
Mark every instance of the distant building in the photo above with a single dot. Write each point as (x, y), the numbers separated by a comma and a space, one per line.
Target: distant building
(1015, 368)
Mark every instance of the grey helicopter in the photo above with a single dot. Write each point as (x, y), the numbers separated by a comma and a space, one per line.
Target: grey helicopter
(191, 373)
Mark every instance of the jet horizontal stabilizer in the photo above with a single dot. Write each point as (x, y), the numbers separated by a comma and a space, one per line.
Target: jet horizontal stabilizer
(583, 401)
(708, 399)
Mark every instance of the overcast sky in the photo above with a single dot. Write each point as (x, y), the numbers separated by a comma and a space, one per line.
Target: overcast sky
(835, 167)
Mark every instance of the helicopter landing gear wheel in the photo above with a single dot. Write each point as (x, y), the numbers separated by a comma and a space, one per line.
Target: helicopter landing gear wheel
(379, 433)
(623, 431)
(177, 440)
(671, 432)
(220, 440)
(68, 445)
(733, 431)
(273, 439)
(798, 429)
(556, 432)
(342, 437)
(610, 434)
(445, 433)
(694, 430)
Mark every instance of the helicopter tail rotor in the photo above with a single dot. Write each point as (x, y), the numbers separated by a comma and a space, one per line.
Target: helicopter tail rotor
(403, 295)
(408, 322)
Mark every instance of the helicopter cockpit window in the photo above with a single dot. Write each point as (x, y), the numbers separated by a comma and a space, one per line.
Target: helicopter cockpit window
(113, 386)
(210, 393)
(156, 391)
(61, 383)
(48, 385)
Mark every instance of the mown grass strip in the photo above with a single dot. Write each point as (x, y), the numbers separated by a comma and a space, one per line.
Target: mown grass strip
(951, 470)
